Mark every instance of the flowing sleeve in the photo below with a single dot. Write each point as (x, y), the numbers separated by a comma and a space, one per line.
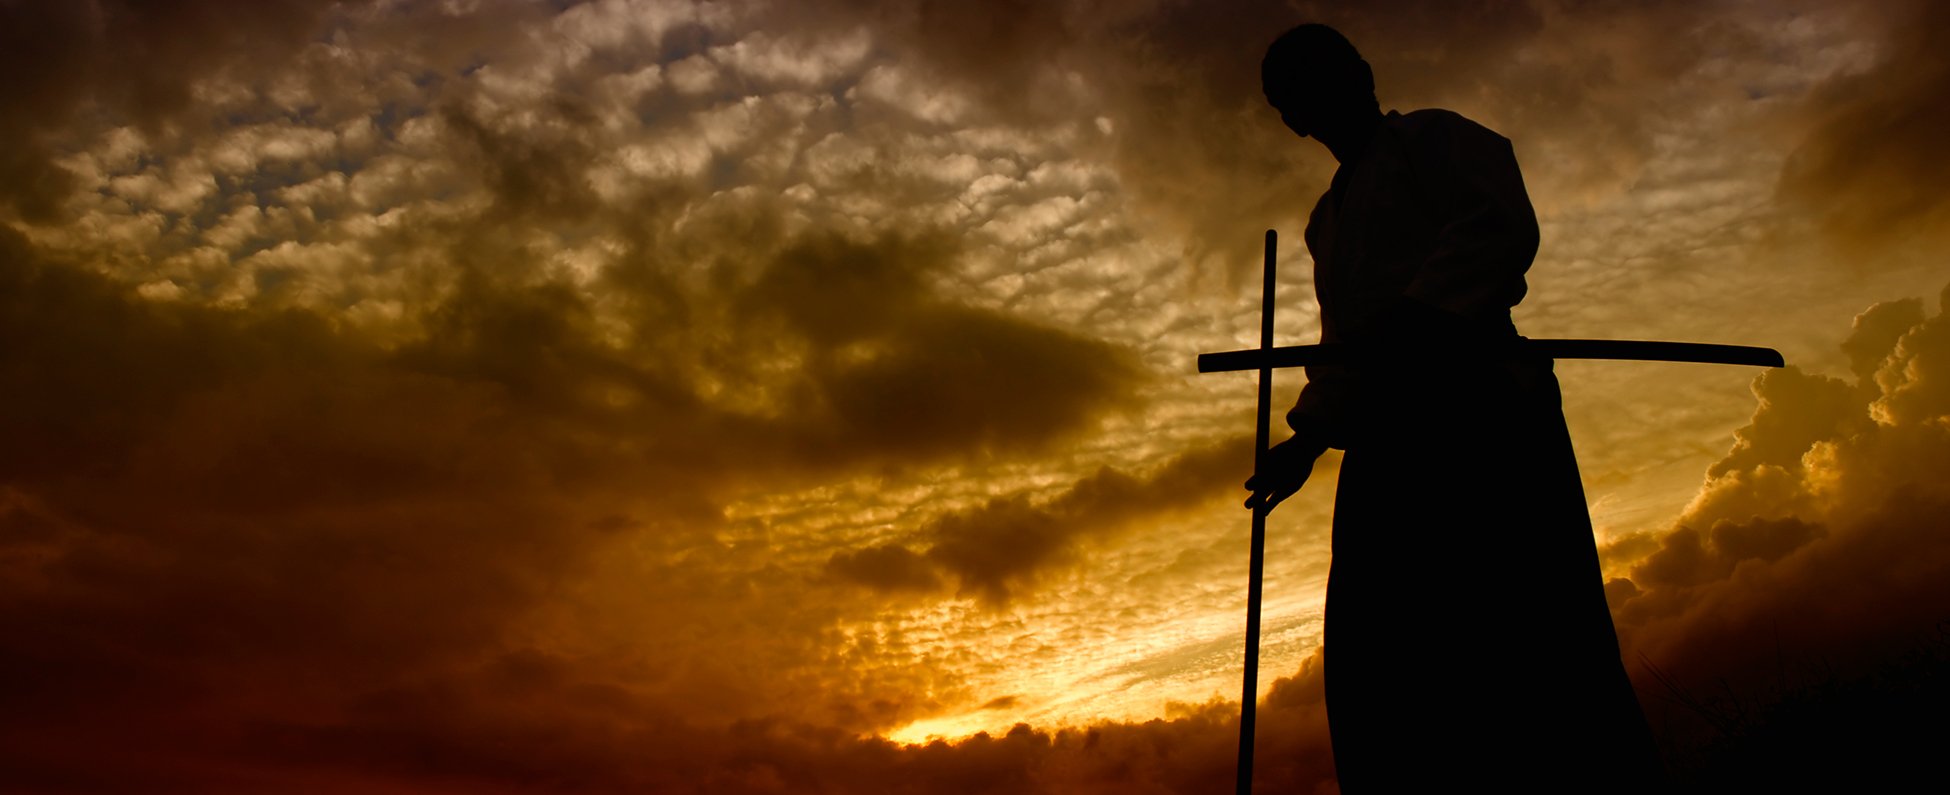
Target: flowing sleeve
(1327, 405)
(1332, 392)
(1488, 231)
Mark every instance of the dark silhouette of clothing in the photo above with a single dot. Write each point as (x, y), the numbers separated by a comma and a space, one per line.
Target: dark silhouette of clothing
(1425, 236)
(1468, 643)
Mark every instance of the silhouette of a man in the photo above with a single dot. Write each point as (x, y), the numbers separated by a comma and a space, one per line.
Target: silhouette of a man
(1467, 637)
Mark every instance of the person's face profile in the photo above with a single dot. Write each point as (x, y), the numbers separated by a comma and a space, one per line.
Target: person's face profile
(1297, 108)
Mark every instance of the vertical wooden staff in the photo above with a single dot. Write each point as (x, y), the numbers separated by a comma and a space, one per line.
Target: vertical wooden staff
(1249, 693)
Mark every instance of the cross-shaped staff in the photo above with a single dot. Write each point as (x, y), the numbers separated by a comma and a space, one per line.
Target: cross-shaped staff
(1266, 358)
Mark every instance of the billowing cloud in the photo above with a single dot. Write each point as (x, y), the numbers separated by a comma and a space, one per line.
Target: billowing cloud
(1817, 545)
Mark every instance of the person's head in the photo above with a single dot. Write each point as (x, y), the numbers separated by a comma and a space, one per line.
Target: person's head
(1317, 81)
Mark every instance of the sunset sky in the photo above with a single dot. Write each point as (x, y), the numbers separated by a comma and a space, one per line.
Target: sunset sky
(503, 396)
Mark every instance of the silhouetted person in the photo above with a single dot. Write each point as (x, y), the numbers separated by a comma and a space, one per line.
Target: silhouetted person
(1468, 644)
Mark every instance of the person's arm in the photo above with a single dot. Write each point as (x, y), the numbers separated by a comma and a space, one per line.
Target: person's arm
(1287, 465)
(1487, 239)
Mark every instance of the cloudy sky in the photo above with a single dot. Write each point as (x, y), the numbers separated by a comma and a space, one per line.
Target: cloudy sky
(503, 396)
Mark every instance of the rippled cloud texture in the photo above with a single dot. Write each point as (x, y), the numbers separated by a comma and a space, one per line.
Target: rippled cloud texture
(731, 397)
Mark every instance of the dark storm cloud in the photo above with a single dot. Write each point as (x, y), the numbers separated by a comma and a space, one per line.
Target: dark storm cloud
(133, 60)
(892, 366)
(1873, 165)
(889, 568)
(973, 380)
(996, 550)
(534, 175)
(284, 543)
(129, 411)
(1819, 540)
(1688, 557)
(216, 518)
(1579, 88)
(551, 732)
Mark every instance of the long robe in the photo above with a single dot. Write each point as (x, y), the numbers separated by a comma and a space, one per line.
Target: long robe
(1468, 642)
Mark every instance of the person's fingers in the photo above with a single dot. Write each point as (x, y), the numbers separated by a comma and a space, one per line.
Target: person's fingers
(1271, 498)
(1274, 500)
(1265, 478)
(1278, 477)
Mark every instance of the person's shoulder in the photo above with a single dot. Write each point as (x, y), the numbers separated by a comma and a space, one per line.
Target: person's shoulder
(1437, 124)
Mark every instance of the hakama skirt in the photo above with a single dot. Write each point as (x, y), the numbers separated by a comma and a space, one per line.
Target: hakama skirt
(1468, 643)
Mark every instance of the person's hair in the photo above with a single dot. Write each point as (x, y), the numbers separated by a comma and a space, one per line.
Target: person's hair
(1319, 56)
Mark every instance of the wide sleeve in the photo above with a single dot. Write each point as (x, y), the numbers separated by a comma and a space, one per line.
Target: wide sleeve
(1487, 233)
(1333, 392)
(1327, 406)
